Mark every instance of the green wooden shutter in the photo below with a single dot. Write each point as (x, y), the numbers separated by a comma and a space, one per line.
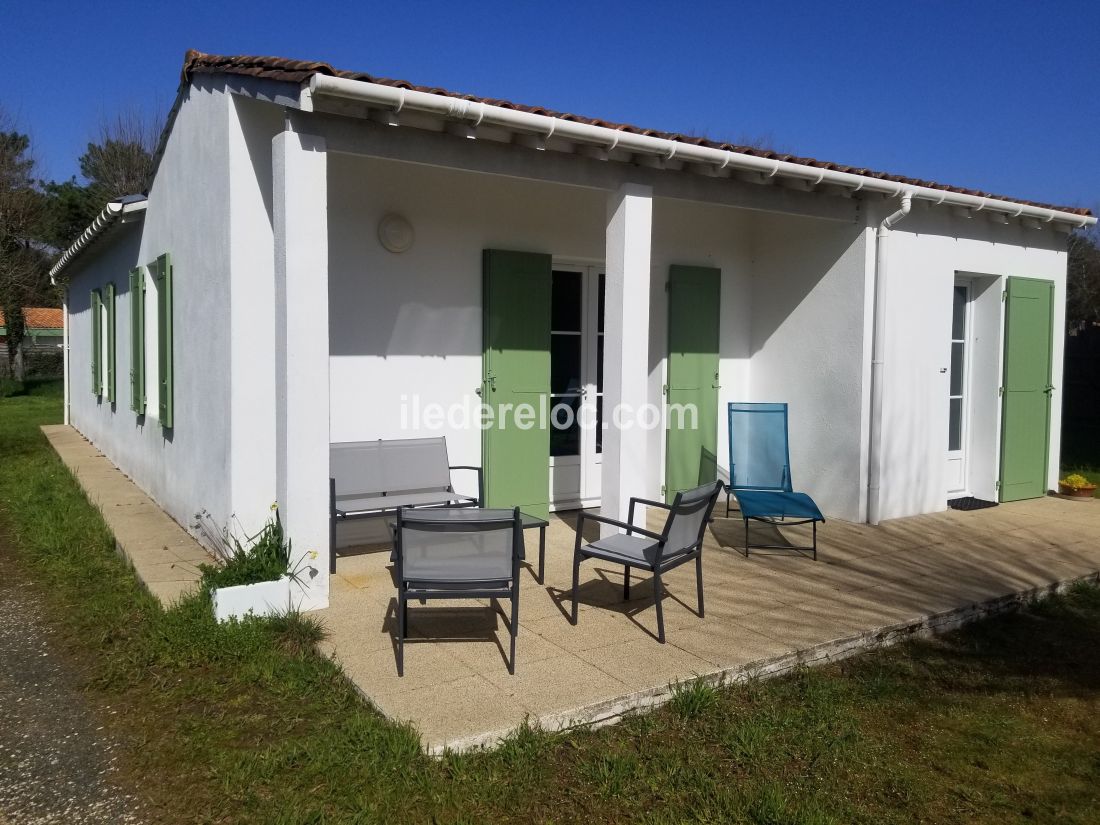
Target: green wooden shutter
(691, 453)
(96, 309)
(1025, 417)
(164, 337)
(110, 389)
(137, 340)
(516, 364)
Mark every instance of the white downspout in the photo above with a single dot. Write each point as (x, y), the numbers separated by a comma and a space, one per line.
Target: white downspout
(65, 352)
(878, 358)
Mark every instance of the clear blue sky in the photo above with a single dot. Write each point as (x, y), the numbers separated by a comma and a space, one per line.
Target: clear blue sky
(1001, 96)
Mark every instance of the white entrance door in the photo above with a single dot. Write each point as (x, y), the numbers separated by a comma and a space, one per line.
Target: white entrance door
(576, 386)
(959, 390)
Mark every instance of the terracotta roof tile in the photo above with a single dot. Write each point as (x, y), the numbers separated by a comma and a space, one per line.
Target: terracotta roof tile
(40, 318)
(299, 71)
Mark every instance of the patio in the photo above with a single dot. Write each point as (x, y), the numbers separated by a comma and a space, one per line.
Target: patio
(764, 615)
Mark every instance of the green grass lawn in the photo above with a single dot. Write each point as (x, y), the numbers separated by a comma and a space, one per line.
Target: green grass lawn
(244, 723)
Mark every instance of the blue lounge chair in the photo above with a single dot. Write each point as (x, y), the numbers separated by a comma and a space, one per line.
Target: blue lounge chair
(760, 473)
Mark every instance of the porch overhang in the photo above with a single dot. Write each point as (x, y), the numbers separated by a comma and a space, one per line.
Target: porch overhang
(476, 119)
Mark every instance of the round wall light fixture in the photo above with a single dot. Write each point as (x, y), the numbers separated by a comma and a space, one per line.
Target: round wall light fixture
(395, 233)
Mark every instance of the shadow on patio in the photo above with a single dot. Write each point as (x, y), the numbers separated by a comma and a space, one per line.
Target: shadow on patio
(765, 613)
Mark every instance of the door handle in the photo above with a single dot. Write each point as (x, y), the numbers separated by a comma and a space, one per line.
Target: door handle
(1049, 389)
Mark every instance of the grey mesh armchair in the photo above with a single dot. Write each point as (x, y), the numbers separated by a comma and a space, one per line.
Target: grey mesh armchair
(679, 542)
(457, 553)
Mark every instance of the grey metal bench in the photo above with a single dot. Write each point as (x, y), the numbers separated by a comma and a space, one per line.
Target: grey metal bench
(368, 479)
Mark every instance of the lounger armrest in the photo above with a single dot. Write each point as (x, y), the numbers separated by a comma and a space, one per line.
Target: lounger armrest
(630, 528)
(480, 480)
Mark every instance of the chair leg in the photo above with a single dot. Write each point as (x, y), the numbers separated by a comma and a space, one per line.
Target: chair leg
(576, 582)
(402, 620)
(658, 597)
(746, 538)
(626, 584)
(332, 544)
(513, 627)
(699, 580)
(815, 540)
(542, 555)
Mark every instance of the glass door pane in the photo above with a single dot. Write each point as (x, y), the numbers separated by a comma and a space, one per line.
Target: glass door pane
(601, 291)
(957, 388)
(566, 362)
(592, 421)
(957, 384)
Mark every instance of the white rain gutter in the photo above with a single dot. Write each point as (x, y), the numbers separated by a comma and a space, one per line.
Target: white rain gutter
(476, 113)
(878, 356)
(115, 210)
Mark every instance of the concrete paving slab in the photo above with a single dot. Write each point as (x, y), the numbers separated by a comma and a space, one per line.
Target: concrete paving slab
(644, 663)
(454, 713)
(765, 614)
(163, 555)
(559, 681)
(725, 644)
(170, 592)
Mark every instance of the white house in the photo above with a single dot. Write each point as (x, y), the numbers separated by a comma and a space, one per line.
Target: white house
(316, 255)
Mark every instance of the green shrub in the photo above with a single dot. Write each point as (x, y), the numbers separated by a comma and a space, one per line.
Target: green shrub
(43, 364)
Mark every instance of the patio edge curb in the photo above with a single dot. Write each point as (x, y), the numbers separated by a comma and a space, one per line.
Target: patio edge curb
(609, 712)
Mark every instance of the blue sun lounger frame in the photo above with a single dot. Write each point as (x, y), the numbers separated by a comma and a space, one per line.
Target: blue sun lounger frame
(760, 473)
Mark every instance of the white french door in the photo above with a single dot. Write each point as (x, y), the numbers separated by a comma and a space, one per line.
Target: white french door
(576, 386)
(959, 389)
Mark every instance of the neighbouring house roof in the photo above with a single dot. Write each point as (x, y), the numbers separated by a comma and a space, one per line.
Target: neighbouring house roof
(36, 318)
(300, 71)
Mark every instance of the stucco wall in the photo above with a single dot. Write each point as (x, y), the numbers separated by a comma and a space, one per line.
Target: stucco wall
(251, 126)
(702, 235)
(925, 253)
(186, 468)
(410, 323)
(809, 349)
(405, 324)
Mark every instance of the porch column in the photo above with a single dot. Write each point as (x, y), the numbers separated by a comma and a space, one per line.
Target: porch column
(626, 349)
(302, 354)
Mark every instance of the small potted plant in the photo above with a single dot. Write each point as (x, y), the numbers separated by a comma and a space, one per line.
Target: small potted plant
(1076, 486)
(255, 576)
